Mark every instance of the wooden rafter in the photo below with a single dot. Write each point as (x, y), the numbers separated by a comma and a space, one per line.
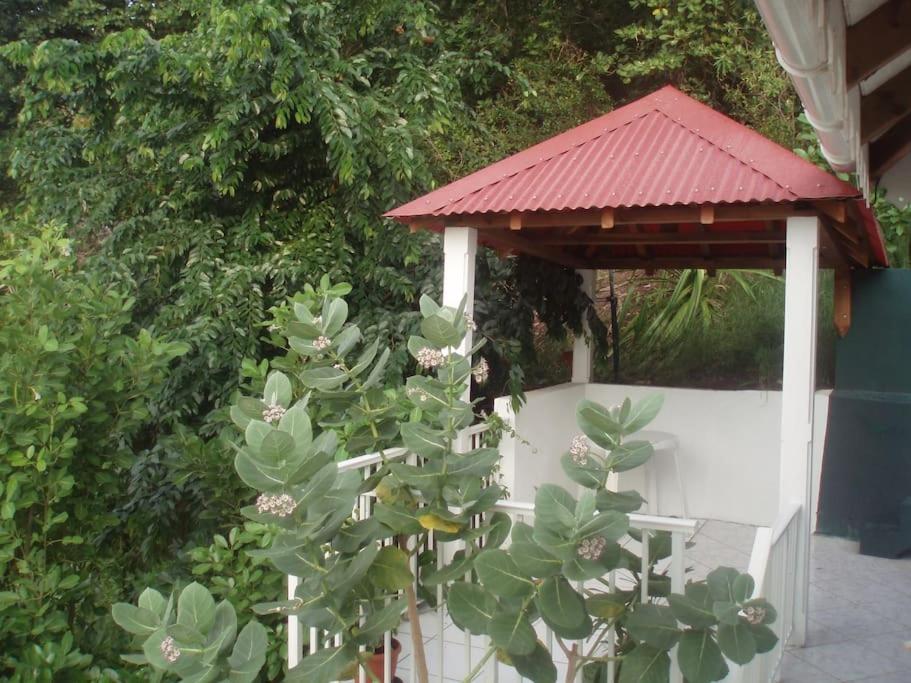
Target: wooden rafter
(891, 147)
(885, 106)
(877, 39)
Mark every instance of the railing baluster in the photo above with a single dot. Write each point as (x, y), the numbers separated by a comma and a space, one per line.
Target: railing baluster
(645, 566)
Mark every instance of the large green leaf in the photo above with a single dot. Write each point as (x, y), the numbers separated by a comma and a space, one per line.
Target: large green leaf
(597, 424)
(375, 625)
(700, 658)
(278, 390)
(645, 664)
(694, 609)
(277, 447)
(335, 313)
(721, 583)
(137, 620)
(537, 667)
(440, 332)
(196, 607)
(610, 525)
(607, 605)
(390, 570)
(152, 600)
(590, 473)
(737, 642)
(621, 501)
(765, 638)
(249, 653)
(555, 508)
(562, 608)
(513, 632)
(629, 455)
(323, 379)
(642, 413)
(654, 625)
(296, 422)
(423, 440)
(471, 607)
(501, 575)
(324, 666)
(223, 631)
(460, 565)
(534, 559)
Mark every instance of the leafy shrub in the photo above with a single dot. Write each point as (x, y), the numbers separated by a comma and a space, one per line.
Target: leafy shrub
(73, 382)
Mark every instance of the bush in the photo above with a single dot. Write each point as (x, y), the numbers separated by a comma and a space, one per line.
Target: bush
(73, 385)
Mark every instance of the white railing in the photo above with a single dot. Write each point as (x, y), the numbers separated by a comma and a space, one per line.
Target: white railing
(773, 565)
(680, 530)
(674, 567)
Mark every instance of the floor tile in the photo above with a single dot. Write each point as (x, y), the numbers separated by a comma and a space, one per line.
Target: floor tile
(796, 670)
(848, 661)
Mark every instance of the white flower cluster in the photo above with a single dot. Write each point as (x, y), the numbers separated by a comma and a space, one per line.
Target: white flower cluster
(472, 325)
(280, 505)
(321, 343)
(591, 548)
(429, 358)
(481, 371)
(273, 413)
(578, 450)
(419, 394)
(754, 614)
(169, 650)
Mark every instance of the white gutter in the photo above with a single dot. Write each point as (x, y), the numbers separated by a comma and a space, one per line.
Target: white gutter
(809, 39)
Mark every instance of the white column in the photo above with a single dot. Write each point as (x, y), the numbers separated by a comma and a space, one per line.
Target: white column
(798, 389)
(460, 246)
(582, 348)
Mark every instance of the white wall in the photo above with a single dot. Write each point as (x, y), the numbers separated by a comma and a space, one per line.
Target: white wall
(729, 447)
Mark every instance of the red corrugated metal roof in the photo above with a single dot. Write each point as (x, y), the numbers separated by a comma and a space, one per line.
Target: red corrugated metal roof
(664, 149)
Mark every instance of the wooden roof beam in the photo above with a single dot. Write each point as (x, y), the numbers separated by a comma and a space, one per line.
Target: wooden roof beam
(877, 39)
(652, 238)
(711, 263)
(638, 215)
(885, 106)
(502, 240)
(891, 147)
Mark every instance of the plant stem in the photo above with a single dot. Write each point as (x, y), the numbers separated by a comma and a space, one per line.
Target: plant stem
(571, 664)
(480, 665)
(417, 636)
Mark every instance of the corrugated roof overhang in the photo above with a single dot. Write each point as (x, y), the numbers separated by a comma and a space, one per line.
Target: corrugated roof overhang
(663, 182)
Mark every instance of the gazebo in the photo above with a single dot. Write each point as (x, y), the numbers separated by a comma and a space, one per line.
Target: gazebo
(667, 182)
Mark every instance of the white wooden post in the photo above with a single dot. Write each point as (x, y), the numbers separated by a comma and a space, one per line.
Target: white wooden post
(798, 389)
(460, 246)
(582, 348)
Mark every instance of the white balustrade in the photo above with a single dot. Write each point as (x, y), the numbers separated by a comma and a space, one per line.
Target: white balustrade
(773, 566)
(679, 529)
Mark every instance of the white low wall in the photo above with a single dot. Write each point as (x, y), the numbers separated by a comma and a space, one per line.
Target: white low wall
(728, 447)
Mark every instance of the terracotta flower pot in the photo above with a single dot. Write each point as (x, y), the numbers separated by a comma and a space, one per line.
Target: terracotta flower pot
(376, 661)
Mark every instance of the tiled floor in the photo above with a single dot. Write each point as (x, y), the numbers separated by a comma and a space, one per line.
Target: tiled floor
(860, 618)
(860, 615)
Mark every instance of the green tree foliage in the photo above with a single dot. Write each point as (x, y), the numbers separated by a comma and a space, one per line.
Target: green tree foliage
(73, 381)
